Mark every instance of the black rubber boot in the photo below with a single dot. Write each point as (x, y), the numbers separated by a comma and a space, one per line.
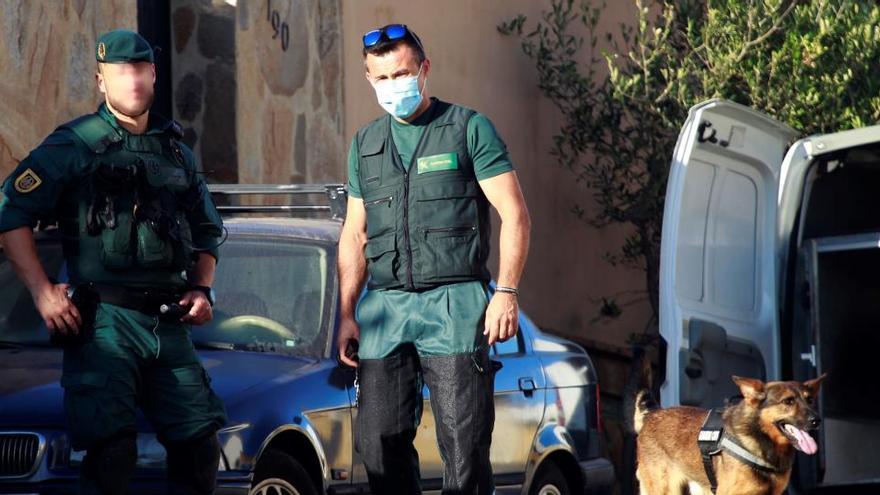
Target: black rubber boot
(464, 411)
(389, 411)
(108, 466)
(192, 465)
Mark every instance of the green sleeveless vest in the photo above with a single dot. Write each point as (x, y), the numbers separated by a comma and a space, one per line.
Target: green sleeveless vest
(129, 227)
(427, 221)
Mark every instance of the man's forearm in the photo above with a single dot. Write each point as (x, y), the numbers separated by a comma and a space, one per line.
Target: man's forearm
(352, 267)
(203, 273)
(21, 250)
(514, 248)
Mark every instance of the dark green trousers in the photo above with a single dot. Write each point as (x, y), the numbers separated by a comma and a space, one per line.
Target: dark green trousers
(132, 360)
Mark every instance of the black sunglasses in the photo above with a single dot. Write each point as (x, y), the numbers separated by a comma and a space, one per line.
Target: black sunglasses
(391, 32)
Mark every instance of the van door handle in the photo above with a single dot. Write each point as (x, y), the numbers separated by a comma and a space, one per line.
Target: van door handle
(810, 356)
(694, 367)
(527, 385)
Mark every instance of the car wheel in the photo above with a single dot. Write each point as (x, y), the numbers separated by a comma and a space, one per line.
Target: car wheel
(549, 481)
(280, 474)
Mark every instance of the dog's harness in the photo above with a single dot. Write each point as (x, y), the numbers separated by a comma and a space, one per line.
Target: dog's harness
(712, 440)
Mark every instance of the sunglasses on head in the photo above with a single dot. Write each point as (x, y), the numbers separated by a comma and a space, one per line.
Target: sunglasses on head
(391, 32)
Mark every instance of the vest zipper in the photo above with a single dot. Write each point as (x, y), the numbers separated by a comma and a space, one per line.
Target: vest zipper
(380, 200)
(409, 256)
(406, 175)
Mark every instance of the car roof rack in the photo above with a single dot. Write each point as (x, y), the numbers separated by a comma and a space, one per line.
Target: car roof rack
(335, 193)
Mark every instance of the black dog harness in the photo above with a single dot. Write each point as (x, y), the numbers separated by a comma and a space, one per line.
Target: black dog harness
(712, 440)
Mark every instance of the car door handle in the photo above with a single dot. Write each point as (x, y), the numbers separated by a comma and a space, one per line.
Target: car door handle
(527, 385)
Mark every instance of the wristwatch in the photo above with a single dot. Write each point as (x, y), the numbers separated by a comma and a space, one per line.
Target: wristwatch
(207, 291)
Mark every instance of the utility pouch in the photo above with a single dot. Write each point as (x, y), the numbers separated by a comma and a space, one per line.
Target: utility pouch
(116, 244)
(152, 250)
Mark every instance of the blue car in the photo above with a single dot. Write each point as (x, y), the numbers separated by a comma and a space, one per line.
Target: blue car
(271, 354)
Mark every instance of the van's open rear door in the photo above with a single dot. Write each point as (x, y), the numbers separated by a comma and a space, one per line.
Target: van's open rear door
(718, 257)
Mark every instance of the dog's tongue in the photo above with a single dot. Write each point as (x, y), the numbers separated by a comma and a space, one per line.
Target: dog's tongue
(805, 442)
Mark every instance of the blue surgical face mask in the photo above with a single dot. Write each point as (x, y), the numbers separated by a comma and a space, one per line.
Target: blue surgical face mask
(400, 97)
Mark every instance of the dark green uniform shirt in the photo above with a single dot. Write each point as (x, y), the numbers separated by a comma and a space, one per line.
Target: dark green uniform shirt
(40, 187)
(487, 150)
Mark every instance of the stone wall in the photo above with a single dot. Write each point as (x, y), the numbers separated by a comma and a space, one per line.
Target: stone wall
(48, 66)
(289, 76)
(258, 88)
(203, 82)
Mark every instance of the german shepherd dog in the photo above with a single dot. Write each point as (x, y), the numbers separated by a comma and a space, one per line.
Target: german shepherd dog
(771, 421)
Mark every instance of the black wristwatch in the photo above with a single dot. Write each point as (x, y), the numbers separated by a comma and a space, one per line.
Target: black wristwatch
(207, 291)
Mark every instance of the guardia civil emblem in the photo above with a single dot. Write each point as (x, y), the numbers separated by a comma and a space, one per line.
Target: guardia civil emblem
(27, 181)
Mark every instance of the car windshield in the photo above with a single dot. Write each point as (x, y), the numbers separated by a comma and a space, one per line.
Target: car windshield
(273, 295)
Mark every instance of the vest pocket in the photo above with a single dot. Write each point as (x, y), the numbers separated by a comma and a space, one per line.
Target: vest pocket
(380, 215)
(450, 253)
(116, 248)
(370, 164)
(381, 255)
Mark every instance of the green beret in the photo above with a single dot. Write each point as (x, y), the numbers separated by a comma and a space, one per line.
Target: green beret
(123, 46)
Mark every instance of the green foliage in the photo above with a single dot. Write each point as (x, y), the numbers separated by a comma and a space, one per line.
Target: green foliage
(814, 65)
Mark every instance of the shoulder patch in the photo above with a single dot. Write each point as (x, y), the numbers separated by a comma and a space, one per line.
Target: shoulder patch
(27, 181)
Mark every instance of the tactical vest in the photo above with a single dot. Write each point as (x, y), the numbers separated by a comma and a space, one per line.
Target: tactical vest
(427, 221)
(130, 226)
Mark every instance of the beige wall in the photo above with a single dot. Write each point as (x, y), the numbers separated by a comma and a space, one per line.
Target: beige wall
(473, 65)
(48, 66)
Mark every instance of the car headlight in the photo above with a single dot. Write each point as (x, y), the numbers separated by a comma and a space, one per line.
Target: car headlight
(151, 453)
(232, 447)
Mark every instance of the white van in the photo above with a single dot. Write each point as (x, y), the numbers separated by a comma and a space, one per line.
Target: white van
(770, 268)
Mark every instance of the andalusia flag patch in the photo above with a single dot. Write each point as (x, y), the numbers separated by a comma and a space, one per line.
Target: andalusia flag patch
(27, 181)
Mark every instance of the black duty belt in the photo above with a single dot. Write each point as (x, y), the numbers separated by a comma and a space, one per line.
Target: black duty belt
(149, 301)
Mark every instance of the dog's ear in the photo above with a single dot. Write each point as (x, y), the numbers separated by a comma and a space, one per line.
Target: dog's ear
(813, 385)
(751, 389)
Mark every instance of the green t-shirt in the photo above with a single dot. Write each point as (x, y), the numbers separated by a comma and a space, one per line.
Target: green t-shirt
(488, 152)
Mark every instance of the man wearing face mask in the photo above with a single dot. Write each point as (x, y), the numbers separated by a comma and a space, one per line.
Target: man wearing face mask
(421, 182)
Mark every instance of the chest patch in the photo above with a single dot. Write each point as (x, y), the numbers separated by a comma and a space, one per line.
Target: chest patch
(27, 181)
(434, 163)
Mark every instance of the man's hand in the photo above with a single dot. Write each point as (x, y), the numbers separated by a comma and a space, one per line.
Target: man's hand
(348, 330)
(502, 317)
(58, 312)
(200, 311)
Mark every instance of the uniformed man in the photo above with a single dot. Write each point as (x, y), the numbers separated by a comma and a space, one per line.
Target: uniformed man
(421, 181)
(140, 235)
